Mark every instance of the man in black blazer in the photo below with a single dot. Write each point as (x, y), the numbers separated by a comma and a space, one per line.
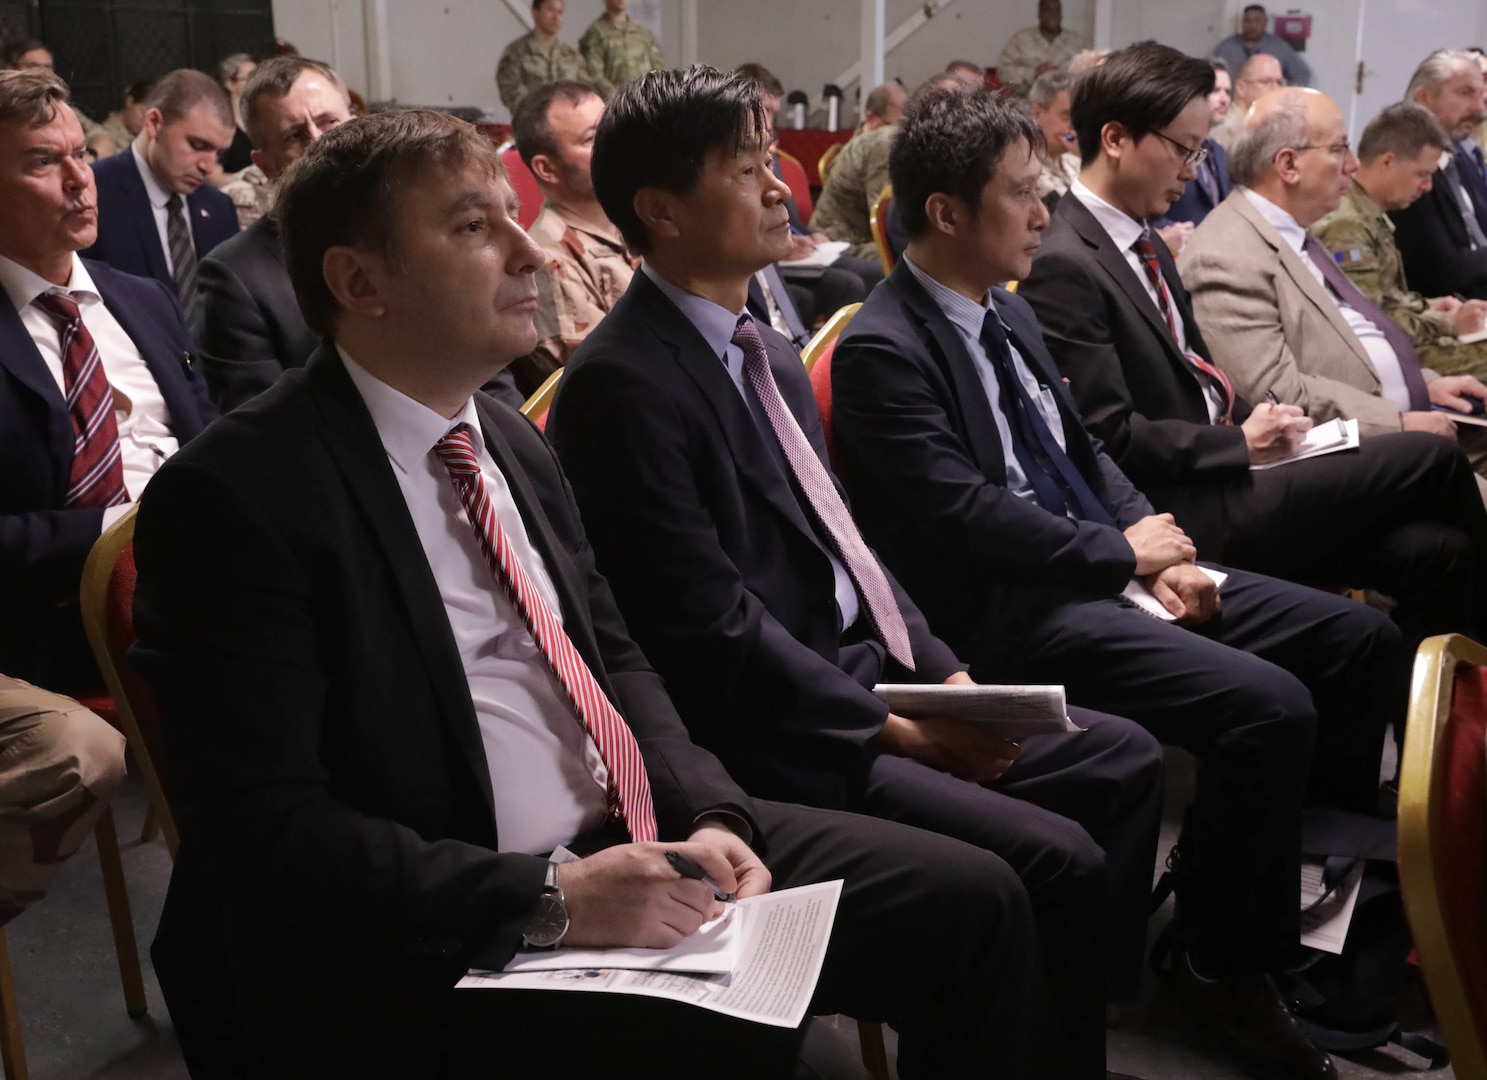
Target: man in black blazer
(750, 605)
(1401, 514)
(373, 756)
(47, 212)
(1017, 536)
(158, 215)
(250, 326)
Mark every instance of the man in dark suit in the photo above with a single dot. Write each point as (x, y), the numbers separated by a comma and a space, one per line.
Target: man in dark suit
(1016, 535)
(1211, 186)
(1442, 242)
(414, 685)
(250, 327)
(158, 215)
(1401, 514)
(702, 477)
(79, 439)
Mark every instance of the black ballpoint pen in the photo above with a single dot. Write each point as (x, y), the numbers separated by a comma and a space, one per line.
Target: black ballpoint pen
(688, 869)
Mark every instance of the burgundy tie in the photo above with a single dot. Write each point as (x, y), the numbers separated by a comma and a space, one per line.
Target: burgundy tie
(826, 502)
(629, 787)
(1147, 253)
(97, 475)
(1404, 349)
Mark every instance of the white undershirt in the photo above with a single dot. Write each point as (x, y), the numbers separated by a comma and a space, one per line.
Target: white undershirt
(158, 197)
(547, 776)
(145, 438)
(1391, 376)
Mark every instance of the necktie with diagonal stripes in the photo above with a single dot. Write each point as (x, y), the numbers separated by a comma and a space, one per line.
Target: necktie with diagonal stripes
(183, 266)
(1146, 251)
(629, 787)
(97, 475)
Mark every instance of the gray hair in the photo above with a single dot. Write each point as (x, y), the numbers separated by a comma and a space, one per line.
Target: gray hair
(1437, 69)
(1048, 86)
(1252, 155)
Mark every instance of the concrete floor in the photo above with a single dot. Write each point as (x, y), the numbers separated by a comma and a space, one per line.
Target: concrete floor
(75, 1026)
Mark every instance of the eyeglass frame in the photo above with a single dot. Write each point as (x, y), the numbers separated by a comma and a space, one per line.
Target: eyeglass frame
(1342, 149)
(1190, 158)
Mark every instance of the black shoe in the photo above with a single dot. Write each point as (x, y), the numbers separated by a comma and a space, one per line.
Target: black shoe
(1247, 1018)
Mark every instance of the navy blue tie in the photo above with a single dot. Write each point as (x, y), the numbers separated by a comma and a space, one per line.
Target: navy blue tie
(1057, 484)
(1474, 178)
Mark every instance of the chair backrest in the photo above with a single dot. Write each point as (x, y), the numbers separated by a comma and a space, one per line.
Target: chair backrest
(107, 601)
(879, 221)
(525, 186)
(824, 165)
(827, 335)
(1443, 839)
(821, 387)
(793, 173)
(535, 407)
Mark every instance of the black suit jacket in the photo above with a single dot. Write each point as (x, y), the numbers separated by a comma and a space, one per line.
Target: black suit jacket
(250, 326)
(127, 237)
(43, 545)
(1135, 391)
(920, 454)
(1435, 246)
(1195, 203)
(722, 578)
(320, 732)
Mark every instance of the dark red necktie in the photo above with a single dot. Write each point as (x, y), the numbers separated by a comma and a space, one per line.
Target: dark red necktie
(1147, 253)
(97, 475)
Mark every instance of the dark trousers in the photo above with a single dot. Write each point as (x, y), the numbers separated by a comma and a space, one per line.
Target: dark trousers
(1077, 817)
(1234, 692)
(846, 281)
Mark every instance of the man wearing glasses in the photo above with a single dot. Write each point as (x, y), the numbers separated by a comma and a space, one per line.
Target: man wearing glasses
(1278, 314)
(1256, 77)
(1401, 515)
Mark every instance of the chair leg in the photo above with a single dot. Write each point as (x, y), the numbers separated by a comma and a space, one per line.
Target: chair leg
(874, 1054)
(119, 914)
(12, 1048)
(151, 828)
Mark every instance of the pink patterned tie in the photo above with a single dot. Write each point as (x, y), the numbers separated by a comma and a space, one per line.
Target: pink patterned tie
(629, 787)
(821, 493)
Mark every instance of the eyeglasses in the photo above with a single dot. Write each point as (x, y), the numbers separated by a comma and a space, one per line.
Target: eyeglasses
(1189, 157)
(1337, 149)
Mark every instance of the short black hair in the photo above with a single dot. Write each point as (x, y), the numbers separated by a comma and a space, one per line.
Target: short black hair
(657, 131)
(15, 48)
(530, 128)
(1254, 7)
(950, 142)
(1142, 88)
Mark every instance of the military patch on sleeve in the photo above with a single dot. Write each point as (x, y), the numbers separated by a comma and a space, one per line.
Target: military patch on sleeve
(1351, 255)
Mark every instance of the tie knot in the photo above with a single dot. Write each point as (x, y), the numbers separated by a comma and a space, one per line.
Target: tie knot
(992, 328)
(174, 202)
(59, 306)
(1144, 248)
(457, 451)
(746, 334)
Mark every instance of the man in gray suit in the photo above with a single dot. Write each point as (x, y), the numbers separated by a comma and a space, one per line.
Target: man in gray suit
(1279, 315)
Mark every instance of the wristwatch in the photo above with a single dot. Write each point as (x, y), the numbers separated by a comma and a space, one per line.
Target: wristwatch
(550, 920)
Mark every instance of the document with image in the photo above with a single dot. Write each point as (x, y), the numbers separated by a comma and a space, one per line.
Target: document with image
(1008, 711)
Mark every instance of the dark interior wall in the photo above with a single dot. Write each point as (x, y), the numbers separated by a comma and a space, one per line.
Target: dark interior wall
(102, 45)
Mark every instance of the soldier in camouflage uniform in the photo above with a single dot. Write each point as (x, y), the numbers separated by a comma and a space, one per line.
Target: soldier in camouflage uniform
(1045, 47)
(616, 48)
(858, 176)
(538, 57)
(1400, 150)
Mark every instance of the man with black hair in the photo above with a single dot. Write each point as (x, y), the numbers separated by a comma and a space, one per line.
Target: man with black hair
(1254, 37)
(1401, 515)
(1019, 537)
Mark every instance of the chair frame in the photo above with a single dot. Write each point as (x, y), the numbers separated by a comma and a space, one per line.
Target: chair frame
(536, 406)
(786, 155)
(879, 223)
(828, 158)
(1421, 867)
(829, 332)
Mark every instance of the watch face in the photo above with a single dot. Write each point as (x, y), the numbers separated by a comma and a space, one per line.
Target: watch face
(549, 922)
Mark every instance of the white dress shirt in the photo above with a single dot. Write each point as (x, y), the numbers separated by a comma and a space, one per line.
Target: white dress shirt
(158, 198)
(145, 439)
(1380, 352)
(1125, 230)
(547, 776)
(967, 315)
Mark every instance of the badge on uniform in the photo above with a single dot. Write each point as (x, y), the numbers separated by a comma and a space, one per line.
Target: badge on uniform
(1352, 255)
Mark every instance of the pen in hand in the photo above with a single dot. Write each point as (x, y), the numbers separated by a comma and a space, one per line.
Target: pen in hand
(688, 869)
(1271, 398)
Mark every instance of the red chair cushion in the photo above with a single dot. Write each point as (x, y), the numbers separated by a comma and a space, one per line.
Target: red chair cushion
(793, 173)
(525, 186)
(1463, 829)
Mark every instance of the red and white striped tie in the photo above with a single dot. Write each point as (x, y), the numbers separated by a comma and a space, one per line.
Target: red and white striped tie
(629, 787)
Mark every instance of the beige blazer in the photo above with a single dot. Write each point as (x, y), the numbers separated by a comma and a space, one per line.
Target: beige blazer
(1272, 326)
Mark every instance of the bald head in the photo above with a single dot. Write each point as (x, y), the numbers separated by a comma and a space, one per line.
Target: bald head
(1258, 76)
(884, 106)
(1293, 149)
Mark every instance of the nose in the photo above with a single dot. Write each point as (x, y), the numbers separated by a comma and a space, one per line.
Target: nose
(776, 189)
(1349, 163)
(526, 257)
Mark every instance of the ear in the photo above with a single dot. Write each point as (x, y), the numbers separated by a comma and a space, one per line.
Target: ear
(1285, 165)
(657, 212)
(154, 120)
(1114, 139)
(353, 277)
(944, 214)
(542, 168)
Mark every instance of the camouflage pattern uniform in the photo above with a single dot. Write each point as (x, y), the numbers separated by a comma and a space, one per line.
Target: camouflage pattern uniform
(527, 63)
(252, 195)
(1360, 237)
(617, 53)
(1029, 48)
(858, 176)
(589, 271)
(1058, 173)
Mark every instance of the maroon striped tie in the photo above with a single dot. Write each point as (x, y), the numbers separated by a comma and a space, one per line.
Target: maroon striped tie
(1146, 251)
(97, 475)
(629, 787)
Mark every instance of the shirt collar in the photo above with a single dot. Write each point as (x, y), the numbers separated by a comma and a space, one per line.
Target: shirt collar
(714, 322)
(24, 286)
(1289, 228)
(409, 429)
(579, 225)
(1119, 225)
(158, 195)
(965, 314)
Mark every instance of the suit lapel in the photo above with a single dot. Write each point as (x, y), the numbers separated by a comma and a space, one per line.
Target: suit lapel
(353, 443)
(143, 219)
(147, 339)
(20, 357)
